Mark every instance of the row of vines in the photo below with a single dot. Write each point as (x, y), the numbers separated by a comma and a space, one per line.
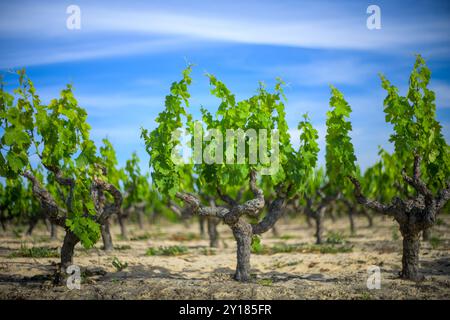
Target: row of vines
(54, 172)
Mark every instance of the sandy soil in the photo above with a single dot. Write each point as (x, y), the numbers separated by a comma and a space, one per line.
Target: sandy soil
(207, 274)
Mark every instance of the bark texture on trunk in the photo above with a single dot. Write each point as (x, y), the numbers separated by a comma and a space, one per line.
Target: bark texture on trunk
(67, 250)
(201, 223)
(106, 237)
(319, 226)
(414, 215)
(369, 219)
(140, 219)
(352, 220)
(308, 221)
(212, 232)
(410, 258)
(233, 216)
(31, 225)
(123, 226)
(242, 232)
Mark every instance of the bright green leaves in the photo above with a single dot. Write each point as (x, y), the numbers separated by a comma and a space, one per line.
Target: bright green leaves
(65, 131)
(136, 185)
(381, 181)
(416, 129)
(109, 159)
(160, 143)
(86, 229)
(17, 123)
(16, 161)
(340, 156)
(250, 134)
(58, 134)
(16, 136)
(307, 154)
(298, 166)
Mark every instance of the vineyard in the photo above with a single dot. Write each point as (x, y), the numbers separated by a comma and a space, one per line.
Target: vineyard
(249, 216)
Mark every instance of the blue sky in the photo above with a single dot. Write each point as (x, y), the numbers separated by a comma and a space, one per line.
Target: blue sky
(126, 54)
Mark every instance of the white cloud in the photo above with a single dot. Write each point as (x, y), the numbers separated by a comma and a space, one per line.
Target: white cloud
(117, 134)
(326, 72)
(119, 101)
(86, 51)
(337, 27)
(442, 91)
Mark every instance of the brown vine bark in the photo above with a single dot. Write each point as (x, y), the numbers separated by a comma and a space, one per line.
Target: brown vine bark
(318, 218)
(58, 215)
(317, 213)
(410, 257)
(67, 250)
(106, 237)
(413, 216)
(233, 216)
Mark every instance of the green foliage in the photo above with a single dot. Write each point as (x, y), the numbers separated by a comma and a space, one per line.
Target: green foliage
(335, 238)
(256, 246)
(159, 142)
(264, 110)
(416, 130)
(136, 184)
(119, 265)
(340, 156)
(167, 251)
(35, 252)
(304, 248)
(265, 282)
(17, 200)
(381, 181)
(59, 135)
(109, 159)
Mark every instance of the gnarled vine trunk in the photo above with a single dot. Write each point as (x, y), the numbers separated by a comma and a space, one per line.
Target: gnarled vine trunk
(201, 223)
(67, 250)
(212, 232)
(123, 226)
(31, 225)
(140, 219)
(318, 218)
(410, 258)
(414, 215)
(106, 237)
(242, 232)
(369, 219)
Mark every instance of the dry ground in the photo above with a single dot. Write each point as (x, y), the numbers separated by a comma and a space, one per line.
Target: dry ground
(207, 274)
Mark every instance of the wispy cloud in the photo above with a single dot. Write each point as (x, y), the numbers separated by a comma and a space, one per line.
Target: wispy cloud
(442, 91)
(305, 25)
(85, 51)
(326, 71)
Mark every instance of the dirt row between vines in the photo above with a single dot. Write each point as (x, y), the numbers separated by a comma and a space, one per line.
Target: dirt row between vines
(201, 273)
